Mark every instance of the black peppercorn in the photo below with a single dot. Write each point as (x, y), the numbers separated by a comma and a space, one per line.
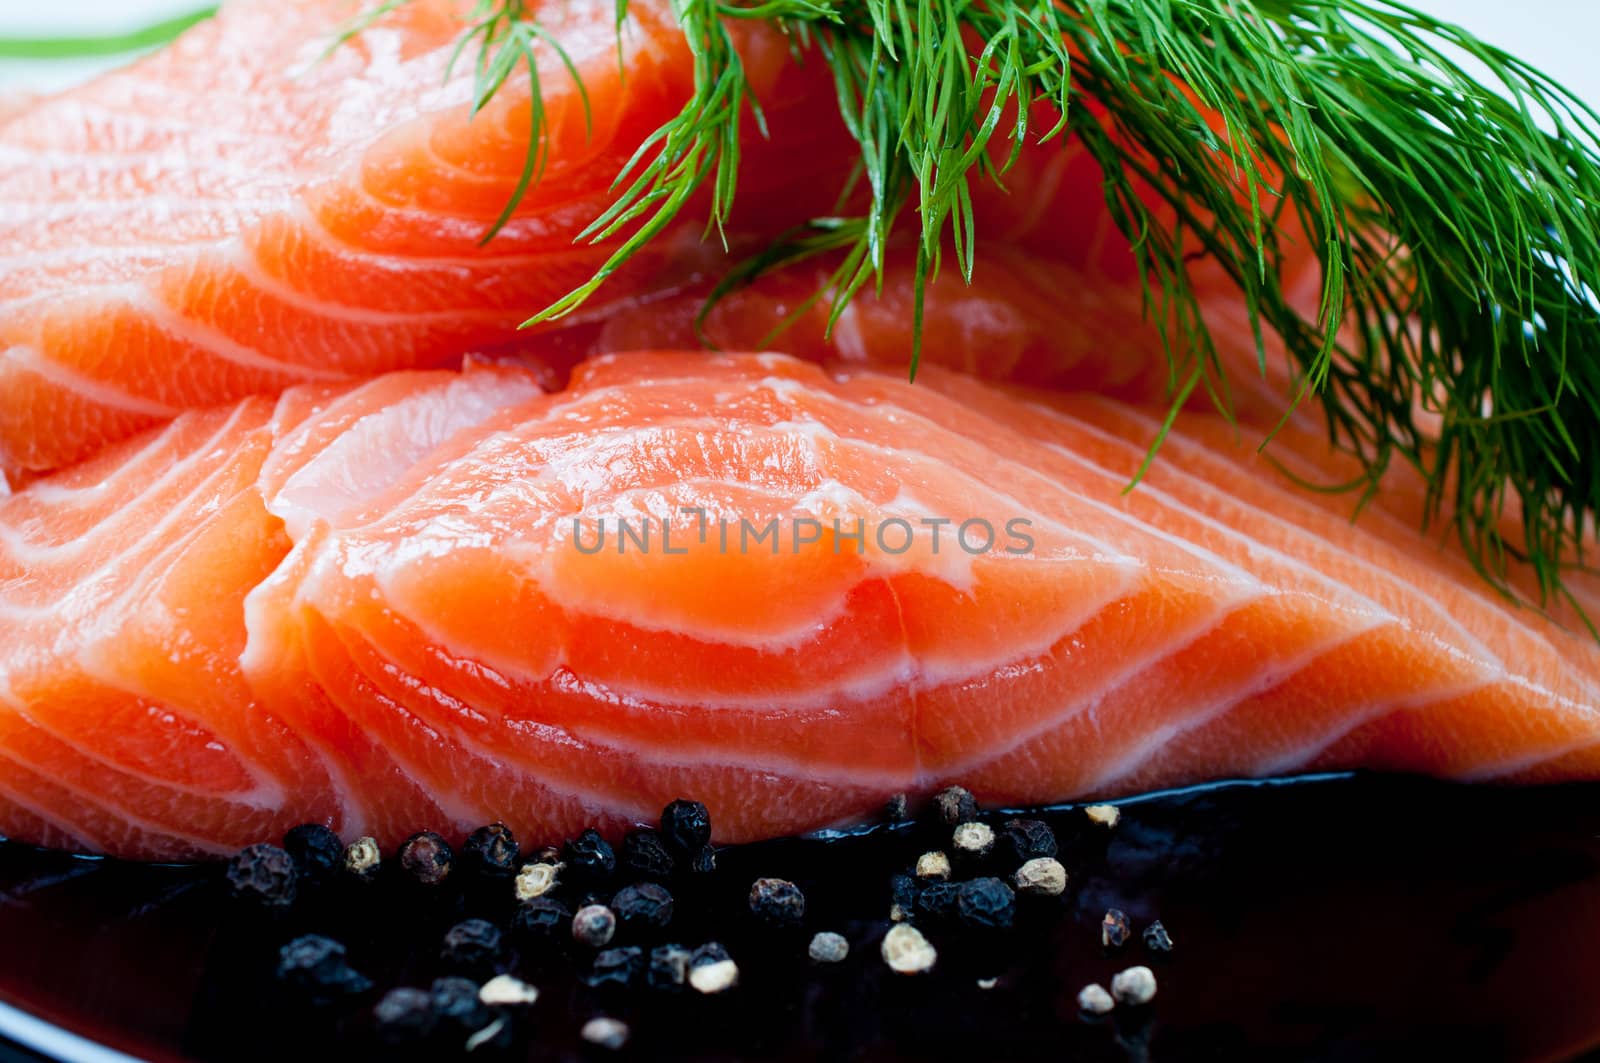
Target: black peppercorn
(686, 825)
(903, 890)
(1156, 938)
(704, 861)
(937, 900)
(315, 968)
(777, 901)
(426, 858)
(263, 875)
(986, 903)
(456, 1002)
(643, 907)
(645, 854)
(956, 805)
(669, 967)
(404, 1016)
(1114, 928)
(617, 968)
(316, 850)
(491, 852)
(897, 809)
(1026, 839)
(541, 918)
(472, 947)
(589, 857)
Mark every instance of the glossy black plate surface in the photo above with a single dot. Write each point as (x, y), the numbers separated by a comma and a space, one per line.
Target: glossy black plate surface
(1332, 919)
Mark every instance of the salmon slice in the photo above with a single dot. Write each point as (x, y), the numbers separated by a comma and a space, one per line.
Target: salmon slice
(439, 599)
(232, 216)
(122, 589)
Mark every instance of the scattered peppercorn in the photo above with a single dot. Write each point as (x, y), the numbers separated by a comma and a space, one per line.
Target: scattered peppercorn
(316, 968)
(704, 861)
(541, 918)
(710, 952)
(505, 990)
(316, 850)
(686, 825)
(1043, 876)
(1114, 929)
(363, 857)
(956, 805)
(472, 946)
(619, 968)
(548, 854)
(1105, 816)
(426, 859)
(906, 951)
(456, 1002)
(611, 1034)
(938, 900)
(717, 976)
(594, 925)
(777, 901)
(263, 875)
(645, 854)
(1025, 839)
(828, 947)
(934, 866)
(986, 903)
(972, 840)
(669, 967)
(1156, 938)
(589, 857)
(1136, 985)
(897, 809)
(902, 897)
(491, 852)
(642, 907)
(535, 880)
(1094, 1000)
(404, 1016)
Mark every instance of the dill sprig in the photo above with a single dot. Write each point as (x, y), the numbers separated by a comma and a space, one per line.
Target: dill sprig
(96, 45)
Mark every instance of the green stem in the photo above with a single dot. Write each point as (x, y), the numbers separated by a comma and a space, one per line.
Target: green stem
(104, 45)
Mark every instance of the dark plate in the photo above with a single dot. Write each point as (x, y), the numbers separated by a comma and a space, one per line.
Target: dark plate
(1332, 919)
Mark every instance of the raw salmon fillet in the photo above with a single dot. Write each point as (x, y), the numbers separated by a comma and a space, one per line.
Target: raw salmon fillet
(232, 216)
(388, 607)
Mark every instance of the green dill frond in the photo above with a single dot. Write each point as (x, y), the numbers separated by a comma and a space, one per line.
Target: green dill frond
(1455, 223)
(90, 46)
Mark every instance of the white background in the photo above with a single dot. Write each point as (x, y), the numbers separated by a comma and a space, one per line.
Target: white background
(1562, 37)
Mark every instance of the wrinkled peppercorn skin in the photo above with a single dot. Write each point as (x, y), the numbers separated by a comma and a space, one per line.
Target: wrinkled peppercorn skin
(686, 825)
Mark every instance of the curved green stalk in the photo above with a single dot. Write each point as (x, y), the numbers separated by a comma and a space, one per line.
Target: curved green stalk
(94, 46)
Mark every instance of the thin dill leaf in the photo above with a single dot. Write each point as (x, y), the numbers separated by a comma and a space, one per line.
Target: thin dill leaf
(89, 46)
